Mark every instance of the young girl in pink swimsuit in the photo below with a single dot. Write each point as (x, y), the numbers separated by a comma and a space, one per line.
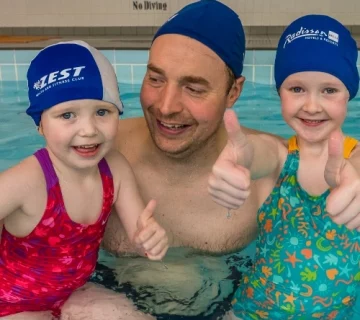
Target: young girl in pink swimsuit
(55, 204)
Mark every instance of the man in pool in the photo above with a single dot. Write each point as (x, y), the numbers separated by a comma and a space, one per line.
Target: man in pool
(193, 75)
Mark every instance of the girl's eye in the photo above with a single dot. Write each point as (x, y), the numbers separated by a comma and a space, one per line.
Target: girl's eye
(296, 89)
(330, 90)
(102, 112)
(67, 115)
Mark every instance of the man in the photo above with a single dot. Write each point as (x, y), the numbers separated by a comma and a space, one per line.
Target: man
(193, 75)
(185, 92)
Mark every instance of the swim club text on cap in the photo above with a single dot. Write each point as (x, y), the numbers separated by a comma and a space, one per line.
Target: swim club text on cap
(318, 43)
(68, 71)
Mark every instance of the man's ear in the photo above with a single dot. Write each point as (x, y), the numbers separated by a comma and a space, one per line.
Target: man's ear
(40, 129)
(235, 91)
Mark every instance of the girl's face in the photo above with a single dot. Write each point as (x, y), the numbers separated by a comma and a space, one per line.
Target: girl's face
(80, 133)
(314, 104)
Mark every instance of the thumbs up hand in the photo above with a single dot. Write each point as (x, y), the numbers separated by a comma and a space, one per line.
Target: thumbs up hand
(229, 182)
(343, 202)
(150, 237)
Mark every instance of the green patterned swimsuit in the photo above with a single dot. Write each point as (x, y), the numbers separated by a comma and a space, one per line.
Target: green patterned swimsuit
(306, 266)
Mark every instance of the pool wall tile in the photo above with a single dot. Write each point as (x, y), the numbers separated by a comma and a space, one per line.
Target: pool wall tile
(264, 57)
(130, 65)
(139, 73)
(24, 56)
(248, 72)
(263, 74)
(109, 54)
(7, 56)
(124, 74)
(21, 72)
(131, 56)
(8, 72)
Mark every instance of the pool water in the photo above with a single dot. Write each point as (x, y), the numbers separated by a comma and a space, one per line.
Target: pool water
(258, 108)
(211, 277)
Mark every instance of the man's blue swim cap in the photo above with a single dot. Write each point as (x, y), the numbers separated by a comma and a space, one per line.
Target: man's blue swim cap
(318, 43)
(213, 24)
(68, 71)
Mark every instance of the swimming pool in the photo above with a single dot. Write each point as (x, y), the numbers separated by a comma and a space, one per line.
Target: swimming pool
(258, 108)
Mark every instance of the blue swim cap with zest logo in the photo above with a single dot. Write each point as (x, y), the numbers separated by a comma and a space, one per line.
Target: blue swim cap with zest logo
(318, 43)
(68, 71)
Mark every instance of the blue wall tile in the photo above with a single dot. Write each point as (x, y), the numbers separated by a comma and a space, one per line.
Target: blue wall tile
(264, 57)
(249, 57)
(138, 73)
(109, 54)
(263, 75)
(21, 71)
(123, 74)
(8, 73)
(25, 56)
(248, 73)
(138, 59)
(7, 56)
(132, 56)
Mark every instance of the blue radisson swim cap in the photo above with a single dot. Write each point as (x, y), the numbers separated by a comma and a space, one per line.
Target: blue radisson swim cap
(318, 43)
(68, 71)
(213, 24)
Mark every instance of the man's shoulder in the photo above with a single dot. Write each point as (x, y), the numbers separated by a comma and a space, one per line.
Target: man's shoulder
(132, 124)
(258, 132)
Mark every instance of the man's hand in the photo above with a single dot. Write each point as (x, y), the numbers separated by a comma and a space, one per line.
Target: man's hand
(229, 182)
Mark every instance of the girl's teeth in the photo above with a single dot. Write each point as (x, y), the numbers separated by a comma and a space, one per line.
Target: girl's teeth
(88, 147)
(313, 121)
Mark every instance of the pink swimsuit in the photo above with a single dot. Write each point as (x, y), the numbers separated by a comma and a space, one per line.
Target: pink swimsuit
(40, 271)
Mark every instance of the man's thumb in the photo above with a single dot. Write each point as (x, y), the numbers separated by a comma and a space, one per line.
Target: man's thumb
(237, 139)
(231, 121)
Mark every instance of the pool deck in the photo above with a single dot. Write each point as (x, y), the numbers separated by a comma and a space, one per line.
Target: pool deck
(253, 41)
(114, 42)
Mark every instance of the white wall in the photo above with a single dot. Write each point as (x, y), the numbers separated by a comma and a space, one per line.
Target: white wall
(119, 13)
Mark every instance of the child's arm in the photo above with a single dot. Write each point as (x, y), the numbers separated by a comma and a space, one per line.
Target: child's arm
(139, 222)
(245, 157)
(14, 185)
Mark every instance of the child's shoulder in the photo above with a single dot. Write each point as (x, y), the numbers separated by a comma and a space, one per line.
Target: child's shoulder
(352, 150)
(113, 156)
(120, 168)
(352, 144)
(27, 178)
(28, 170)
(117, 162)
